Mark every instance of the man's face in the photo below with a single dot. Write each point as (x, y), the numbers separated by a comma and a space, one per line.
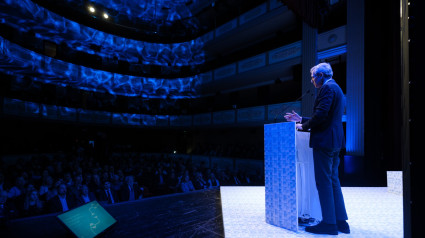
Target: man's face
(107, 185)
(130, 181)
(85, 190)
(34, 195)
(313, 81)
(78, 179)
(62, 189)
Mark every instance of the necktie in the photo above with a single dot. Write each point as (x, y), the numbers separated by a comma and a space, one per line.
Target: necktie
(110, 197)
(131, 196)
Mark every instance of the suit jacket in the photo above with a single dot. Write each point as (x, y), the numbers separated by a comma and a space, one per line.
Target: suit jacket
(125, 192)
(81, 201)
(326, 121)
(101, 196)
(55, 205)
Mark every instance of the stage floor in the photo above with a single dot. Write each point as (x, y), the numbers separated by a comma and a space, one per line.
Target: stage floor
(372, 212)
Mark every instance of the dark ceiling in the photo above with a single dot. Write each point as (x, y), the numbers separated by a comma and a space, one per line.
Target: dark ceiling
(159, 21)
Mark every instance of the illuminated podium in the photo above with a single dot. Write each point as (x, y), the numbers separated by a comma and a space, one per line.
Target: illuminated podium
(289, 176)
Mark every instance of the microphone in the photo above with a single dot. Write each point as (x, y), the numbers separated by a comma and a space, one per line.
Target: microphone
(285, 108)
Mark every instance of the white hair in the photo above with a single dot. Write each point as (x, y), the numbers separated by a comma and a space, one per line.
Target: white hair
(322, 71)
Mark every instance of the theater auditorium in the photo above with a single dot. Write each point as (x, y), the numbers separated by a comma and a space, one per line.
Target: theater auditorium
(184, 118)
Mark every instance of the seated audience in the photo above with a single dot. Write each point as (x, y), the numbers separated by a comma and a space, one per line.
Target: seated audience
(95, 178)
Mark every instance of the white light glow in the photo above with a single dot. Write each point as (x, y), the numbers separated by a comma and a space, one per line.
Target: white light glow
(244, 213)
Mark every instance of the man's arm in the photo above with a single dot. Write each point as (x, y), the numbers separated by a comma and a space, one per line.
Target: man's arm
(321, 112)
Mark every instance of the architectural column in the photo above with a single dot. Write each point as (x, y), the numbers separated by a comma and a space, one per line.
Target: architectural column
(355, 78)
(309, 59)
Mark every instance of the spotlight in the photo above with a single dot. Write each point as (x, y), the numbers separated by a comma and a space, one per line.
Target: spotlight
(92, 9)
(105, 15)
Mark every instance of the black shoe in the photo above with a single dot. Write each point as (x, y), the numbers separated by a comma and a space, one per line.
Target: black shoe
(343, 227)
(323, 228)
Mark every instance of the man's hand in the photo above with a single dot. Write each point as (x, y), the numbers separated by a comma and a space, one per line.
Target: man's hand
(299, 127)
(292, 116)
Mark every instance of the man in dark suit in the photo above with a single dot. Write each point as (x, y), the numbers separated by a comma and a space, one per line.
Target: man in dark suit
(62, 202)
(326, 139)
(85, 196)
(130, 191)
(107, 194)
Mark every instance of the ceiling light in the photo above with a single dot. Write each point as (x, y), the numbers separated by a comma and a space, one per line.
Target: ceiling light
(92, 9)
(105, 15)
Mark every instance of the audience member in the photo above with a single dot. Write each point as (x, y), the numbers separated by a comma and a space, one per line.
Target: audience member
(223, 177)
(235, 180)
(45, 187)
(187, 185)
(244, 178)
(85, 195)
(87, 177)
(199, 182)
(107, 194)
(121, 176)
(53, 191)
(62, 202)
(95, 185)
(213, 181)
(173, 182)
(33, 206)
(17, 190)
(76, 187)
(130, 191)
(160, 181)
(116, 184)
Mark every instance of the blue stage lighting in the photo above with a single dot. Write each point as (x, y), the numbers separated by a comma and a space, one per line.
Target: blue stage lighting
(22, 14)
(16, 60)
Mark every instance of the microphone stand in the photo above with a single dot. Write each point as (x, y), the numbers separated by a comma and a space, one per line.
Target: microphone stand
(280, 112)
